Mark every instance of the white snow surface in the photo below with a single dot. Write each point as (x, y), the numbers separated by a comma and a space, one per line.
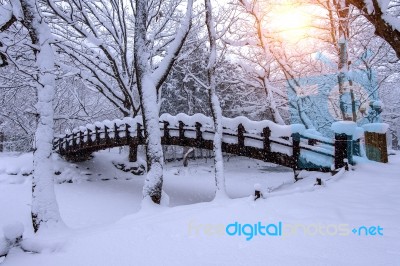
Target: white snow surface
(106, 225)
(344, 127)
(6, 13)
(313, 133)
(376, 127)
(358, 133)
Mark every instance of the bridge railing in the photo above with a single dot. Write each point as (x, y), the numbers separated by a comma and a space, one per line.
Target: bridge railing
(258, 144)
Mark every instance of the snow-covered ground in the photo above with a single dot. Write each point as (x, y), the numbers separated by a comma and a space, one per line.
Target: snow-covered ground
(101, 206)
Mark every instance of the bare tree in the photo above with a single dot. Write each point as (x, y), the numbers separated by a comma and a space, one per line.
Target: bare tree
(96, 38)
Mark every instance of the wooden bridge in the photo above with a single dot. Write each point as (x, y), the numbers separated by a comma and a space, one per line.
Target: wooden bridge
(262, 140)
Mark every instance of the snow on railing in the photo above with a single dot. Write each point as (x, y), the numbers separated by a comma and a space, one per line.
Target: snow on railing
(230, 126)
(255, 127)
(255, 139)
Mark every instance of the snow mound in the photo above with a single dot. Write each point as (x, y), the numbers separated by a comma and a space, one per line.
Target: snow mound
(26, 170)
(43, 245)
(257, 187)
(13, 231)
(12, 170)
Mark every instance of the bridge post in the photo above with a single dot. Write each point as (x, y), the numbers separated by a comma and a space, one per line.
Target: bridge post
(167, 136)
(132, 156)
(343, 150)
(181, 130)
(116, 134)
(133, 144)
(133, 152)
(127, 133)
(60, 146)
(97, 135)
(241, 130)
(266, 141)
(296, 153)
(199, 134)
(376, 147)
(89, 137)
(80, 139)
(106, 135)
(73, 141)
(66, 142)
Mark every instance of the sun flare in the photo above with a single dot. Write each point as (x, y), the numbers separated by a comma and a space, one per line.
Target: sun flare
(289, 23)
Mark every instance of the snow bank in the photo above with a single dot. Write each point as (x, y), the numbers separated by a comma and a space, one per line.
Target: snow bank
(92, 209)
(344, 127)
(376, 127)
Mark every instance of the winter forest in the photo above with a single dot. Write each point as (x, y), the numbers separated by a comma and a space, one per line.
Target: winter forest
(168, 132)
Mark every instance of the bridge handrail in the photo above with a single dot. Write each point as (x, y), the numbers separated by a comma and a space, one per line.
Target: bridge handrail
(253, 139)
(318, 139)
(70, 137)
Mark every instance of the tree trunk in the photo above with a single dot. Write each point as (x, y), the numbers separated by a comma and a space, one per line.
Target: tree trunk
(215, 105)
(343, 67)
(133, 149)
(154, 152)
(149, 82)
(44, 205)
(353, 105)
(148, 102)
(342, 76)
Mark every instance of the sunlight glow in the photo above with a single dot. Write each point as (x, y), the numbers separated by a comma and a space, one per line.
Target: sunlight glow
(289, 23)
